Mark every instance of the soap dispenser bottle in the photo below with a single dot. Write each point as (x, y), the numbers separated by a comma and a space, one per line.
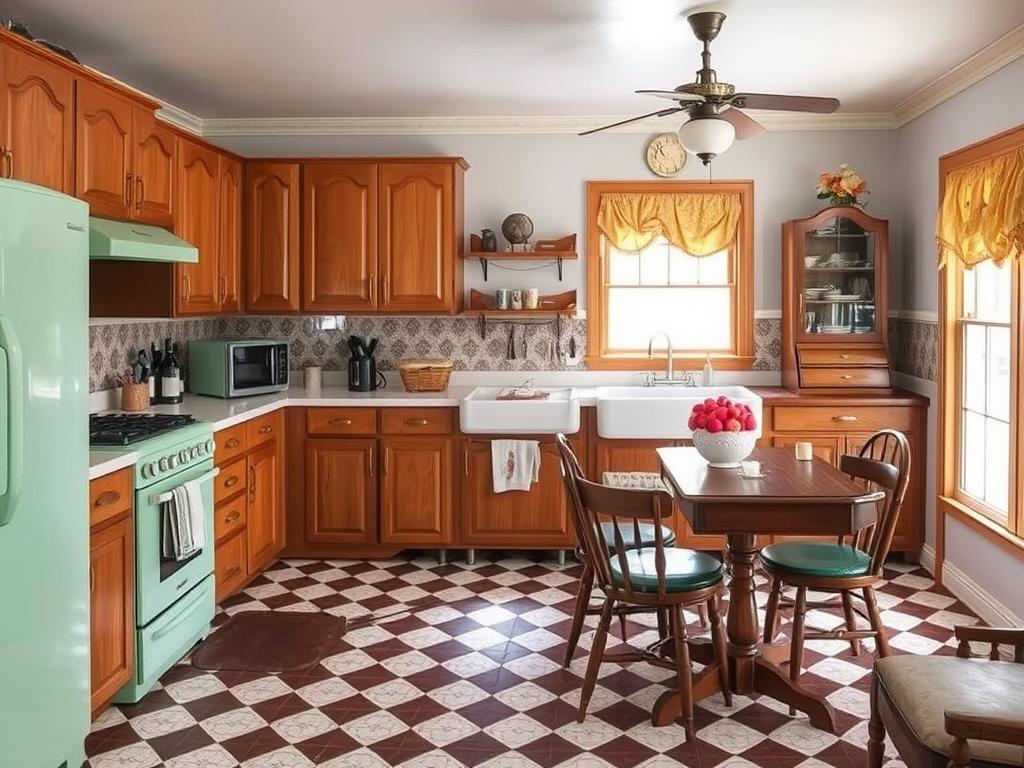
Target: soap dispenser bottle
(708, 379)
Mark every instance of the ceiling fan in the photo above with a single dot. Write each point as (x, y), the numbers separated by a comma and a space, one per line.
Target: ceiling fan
(715, 119)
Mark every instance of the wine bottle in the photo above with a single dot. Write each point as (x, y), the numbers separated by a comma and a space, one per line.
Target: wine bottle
(170, 375)
(156, 360)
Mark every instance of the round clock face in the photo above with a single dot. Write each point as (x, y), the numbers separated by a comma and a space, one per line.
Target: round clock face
(665, 155)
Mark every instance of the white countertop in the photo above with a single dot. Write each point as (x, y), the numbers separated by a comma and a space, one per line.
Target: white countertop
(104, 462)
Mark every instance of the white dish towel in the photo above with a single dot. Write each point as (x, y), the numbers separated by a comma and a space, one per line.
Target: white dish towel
(184, 522)
(515, 464)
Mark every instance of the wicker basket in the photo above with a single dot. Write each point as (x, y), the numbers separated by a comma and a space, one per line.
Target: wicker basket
(425, 375)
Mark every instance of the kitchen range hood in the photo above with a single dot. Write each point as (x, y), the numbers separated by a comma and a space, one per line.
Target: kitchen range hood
(111, 240)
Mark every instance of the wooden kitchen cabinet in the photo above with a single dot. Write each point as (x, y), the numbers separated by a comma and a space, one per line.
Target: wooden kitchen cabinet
(534, 519)
(420, 236)
(341, 491)
(339, 237)
(111, 585)
(153, 169)
(271, 237)
(229, 252)
(263, 521)
(416, 491)
(37, 120)
(198, 284)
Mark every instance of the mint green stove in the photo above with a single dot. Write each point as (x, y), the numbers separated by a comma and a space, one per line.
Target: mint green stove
(174, 600)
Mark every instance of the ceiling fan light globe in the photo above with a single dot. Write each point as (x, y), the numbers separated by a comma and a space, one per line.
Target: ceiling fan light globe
(706, 137)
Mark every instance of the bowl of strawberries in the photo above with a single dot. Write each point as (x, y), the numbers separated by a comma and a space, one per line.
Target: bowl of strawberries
(724, 432)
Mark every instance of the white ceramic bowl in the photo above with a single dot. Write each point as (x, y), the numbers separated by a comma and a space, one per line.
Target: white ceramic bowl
(724, 449)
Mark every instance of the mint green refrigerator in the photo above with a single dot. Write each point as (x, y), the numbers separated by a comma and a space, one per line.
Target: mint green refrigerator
(44, 508)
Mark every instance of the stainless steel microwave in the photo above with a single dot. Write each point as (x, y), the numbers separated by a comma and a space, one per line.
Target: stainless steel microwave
(237, 367)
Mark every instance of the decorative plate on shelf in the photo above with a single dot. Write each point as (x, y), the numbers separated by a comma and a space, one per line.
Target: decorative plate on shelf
(665, 155)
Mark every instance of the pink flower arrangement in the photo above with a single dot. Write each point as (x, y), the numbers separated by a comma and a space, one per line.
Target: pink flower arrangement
(842, 187)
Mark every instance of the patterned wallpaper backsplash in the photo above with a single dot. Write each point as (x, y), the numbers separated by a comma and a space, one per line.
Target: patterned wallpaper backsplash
(113, 346)
(914, 347)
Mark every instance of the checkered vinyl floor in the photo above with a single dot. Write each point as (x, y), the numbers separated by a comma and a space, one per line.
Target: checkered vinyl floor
(457, 665)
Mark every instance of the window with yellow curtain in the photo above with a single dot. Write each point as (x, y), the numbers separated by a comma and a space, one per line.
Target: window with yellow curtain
(674, 257)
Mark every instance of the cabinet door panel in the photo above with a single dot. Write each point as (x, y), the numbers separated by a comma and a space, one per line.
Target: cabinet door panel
(339, 225)
(272, 237)
(112, 609)
(37, 121)
(341, 491)
(417, 248)
(103, 150)
(154, 167)
(263, 524)
(198, 284)
(539, 516)
(230, 225)
(230, 565)
(416, 490)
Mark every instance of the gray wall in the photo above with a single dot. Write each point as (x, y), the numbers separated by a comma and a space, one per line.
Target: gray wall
(543, 176)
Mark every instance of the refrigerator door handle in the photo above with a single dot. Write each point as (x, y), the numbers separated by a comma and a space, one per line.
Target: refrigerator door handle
(12, 417)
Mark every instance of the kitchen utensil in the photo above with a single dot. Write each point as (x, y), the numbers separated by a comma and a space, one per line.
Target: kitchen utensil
(510, 348)
(572, 346)
(362, 366)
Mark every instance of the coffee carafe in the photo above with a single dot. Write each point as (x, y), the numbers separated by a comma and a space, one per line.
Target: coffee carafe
(362, 366)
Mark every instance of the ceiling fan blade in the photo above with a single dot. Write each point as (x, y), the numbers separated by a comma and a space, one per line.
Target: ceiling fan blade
(819, 104)
(674, 95)
(746, 126)
(659, 113)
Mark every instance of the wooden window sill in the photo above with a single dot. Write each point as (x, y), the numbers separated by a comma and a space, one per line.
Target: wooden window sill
(988, 528)
(643, 363)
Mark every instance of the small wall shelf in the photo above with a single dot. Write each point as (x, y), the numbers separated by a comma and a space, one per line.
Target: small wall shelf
(557, 251)
(553, 307)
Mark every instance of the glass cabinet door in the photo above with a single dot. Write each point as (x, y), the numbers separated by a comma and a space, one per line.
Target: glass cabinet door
(838, 285)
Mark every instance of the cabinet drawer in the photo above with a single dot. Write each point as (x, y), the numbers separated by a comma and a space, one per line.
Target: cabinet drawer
(229, 517)
(341, 421)
(231, 480)
(840, 419)
(110, 496)
(229, 565)
(842, 357)
(230, 444)
(262, 429)
(844, 377)
(416, 421)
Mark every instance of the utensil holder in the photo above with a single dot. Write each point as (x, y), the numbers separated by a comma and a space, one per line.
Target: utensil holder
(134, 397)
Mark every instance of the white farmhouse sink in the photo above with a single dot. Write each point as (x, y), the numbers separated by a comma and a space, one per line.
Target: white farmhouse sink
(480, 412)
(660, 411)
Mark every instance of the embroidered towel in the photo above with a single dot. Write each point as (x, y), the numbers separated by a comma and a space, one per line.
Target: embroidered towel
(515, 464)
(184, 517)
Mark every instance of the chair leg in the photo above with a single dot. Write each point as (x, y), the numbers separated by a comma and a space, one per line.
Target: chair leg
(702, 614)
(771, 611)
(684, 671)
(718, 641)
(663, 624)
(580, 612)
(881, 638)
(594, 663)
(876, 731)
(851, 621)
(796, 648)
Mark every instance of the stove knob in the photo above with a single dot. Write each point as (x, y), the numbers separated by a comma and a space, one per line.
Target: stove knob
(210, 446)
(194, 453)
(172, 462)
(147, 470)
(183, 456)
(164, 465)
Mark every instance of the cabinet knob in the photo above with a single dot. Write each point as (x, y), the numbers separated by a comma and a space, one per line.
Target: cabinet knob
(844, 356)
(140, 189)
(107, 498)
(231, 481)
(128, 190)
(266, 429)
(231, 517)
(417, 422)
(842, 418)
(341, 422)
(845, 377)
(7, 155)
(234, 442)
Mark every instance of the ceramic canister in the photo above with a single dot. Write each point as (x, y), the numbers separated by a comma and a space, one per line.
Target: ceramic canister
(516, 299)
(501, 298)
(531, 298)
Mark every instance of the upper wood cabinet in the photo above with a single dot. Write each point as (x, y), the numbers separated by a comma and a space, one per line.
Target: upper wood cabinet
(199, 284)
(272, 237)
(37, 121)
(339, 231)
(125, 160)
(230, 251)
(417, 251)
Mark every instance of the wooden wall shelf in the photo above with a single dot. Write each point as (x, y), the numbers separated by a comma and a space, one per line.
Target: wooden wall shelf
(482, 305)
(559, 250)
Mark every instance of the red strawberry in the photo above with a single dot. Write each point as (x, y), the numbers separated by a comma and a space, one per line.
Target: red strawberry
(692, 423)
(698, 408)
(701, 419)
(723, 400)
(721, 413)
(714, 425)
(709, 409)
(750, 423)
(710, 403)
(732, 411)
(733, 425)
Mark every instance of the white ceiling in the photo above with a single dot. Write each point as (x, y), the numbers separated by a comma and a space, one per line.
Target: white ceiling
(405, 58)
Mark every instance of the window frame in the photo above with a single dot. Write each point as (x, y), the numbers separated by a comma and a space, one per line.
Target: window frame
(951, 501)
(741, 354)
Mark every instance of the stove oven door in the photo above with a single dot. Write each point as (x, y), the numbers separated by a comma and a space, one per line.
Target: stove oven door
(161, 581)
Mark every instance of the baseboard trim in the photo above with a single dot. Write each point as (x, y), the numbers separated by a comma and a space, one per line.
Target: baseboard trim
(970, 593)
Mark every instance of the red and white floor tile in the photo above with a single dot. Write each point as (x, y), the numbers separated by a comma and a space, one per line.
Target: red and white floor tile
(457, 665)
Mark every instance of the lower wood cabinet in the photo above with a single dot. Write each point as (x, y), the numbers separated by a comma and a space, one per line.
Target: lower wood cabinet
(263, 520)
(111, 586)
(538, 518)
(416, 490)
(341, 491)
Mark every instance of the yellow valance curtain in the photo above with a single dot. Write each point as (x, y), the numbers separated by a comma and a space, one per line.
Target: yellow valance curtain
(982, 212)
(699, 223)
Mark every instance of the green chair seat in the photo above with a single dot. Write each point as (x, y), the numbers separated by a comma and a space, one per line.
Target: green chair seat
(816, 558)
(685, 570)
(668, 536)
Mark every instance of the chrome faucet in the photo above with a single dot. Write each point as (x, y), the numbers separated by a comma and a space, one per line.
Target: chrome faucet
(650, 352)
(650, 379)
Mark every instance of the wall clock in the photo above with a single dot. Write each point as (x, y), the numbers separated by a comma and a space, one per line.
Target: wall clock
(665, 155)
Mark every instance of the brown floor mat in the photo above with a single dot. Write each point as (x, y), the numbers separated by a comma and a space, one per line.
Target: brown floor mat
(269, 641)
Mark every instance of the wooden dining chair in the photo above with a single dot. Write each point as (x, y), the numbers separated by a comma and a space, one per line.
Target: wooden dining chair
(654, 578)
(883, 463)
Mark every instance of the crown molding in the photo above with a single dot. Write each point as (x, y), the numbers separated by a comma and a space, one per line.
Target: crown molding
(181, 118)
(989, 59)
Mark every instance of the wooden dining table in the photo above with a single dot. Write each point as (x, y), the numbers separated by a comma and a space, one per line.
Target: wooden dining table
(792, 498)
